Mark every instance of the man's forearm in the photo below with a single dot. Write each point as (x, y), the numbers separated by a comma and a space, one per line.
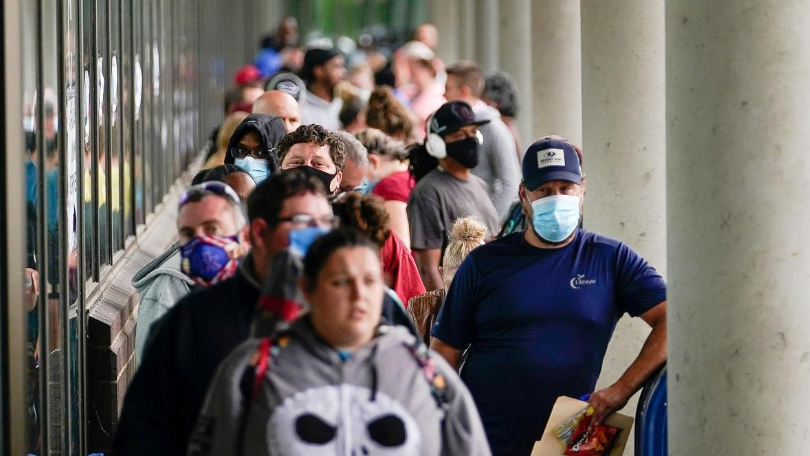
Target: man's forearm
(653, 355)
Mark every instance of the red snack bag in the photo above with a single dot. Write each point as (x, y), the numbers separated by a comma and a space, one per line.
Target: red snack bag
(597, 442)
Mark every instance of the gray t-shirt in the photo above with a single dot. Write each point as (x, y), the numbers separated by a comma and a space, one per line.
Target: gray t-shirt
(439, 199)
(498, 165)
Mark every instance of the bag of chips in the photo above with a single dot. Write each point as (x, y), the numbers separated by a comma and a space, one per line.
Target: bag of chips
(578, 441)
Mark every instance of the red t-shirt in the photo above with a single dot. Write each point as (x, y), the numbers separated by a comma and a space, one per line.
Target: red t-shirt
(400, 269)
(396, 187)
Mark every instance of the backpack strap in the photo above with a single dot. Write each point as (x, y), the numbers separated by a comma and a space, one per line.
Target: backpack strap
(437, 382)
(260, 368)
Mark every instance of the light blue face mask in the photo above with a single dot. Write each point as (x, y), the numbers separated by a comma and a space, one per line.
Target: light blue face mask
(301, 239)
(555, 217)
(363, 188)
(258, 169)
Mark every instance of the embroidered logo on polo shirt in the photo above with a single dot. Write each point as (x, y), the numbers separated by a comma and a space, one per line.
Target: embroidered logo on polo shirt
(580, 281)
(550, 157)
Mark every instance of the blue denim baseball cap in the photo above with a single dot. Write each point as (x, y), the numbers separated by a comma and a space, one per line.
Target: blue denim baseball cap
(548, 160)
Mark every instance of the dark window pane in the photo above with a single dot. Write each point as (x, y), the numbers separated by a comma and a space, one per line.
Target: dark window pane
(102, 156)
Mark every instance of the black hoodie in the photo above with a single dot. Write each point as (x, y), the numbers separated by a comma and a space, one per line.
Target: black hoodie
(270, 129)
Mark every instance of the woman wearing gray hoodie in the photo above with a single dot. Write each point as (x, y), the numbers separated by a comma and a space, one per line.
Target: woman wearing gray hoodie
(337, 382)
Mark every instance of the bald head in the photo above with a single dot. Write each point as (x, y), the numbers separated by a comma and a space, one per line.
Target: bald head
(428, 34)
(279, 104)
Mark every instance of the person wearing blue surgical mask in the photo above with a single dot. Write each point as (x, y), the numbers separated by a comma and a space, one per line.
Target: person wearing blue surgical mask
(537, 308)
(252, 145)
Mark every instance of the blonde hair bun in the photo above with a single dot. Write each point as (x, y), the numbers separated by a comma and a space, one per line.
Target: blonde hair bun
(468, 229)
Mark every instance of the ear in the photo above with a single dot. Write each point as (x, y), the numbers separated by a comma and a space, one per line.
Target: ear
(317, 72)
(336, 181)
(374, 162)
(466, 91)
(523, 193)
(258, 230)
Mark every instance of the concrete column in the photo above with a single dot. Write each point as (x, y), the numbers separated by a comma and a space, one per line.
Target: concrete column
(624, 145)
(444, 14)
(557, 69)
(515, 23)
(486, 34)
(738, 174)
(467, 27)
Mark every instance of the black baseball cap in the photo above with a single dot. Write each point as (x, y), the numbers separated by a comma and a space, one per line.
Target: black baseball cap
(548, 160)
(451, 116)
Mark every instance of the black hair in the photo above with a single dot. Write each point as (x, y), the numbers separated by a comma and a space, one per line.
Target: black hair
(199, 178)
(219, 173)
(350, 110)
(500, 88)
(420, 161)
(267, 199)
(323, 248)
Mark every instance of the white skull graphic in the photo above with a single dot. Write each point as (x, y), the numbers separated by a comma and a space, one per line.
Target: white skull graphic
(342, 420)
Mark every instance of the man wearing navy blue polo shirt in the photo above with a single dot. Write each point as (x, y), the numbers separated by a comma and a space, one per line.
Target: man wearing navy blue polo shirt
(537, 309)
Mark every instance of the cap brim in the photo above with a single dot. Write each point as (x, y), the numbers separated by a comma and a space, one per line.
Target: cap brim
(477, 123)
(538, 180)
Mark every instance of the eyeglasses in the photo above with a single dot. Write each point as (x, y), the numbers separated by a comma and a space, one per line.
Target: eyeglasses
(258, 154)
(301, 220)
(197, 192)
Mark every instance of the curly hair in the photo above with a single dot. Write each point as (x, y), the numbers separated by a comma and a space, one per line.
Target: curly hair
(366, 214)
(384, 112)
(317, 134)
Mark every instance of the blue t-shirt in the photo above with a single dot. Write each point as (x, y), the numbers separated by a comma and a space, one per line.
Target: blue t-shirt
(538, 322)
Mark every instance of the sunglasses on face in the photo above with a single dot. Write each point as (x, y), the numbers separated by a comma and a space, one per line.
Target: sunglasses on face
(258, 154)
(197, 192)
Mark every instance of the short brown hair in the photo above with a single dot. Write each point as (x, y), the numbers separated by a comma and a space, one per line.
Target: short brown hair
(317, 134)
(470, 75)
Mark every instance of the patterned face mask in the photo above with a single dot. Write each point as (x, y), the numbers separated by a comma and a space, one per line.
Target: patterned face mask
(207, 259)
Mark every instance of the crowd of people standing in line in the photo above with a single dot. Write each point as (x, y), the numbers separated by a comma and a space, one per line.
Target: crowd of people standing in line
(344, 221)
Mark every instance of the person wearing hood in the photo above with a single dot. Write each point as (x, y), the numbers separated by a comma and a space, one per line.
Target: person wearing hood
(338, 381)
(187, 344)
(499, 165)
(317, 151)
(210, 224)
(252, 145)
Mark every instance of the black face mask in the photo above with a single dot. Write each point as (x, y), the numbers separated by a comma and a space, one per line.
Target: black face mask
(465, 151)
(322, 176)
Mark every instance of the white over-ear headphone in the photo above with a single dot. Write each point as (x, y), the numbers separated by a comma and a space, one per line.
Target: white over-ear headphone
(435, 145)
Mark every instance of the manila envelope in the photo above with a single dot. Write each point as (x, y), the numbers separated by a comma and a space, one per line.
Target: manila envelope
(564, 408)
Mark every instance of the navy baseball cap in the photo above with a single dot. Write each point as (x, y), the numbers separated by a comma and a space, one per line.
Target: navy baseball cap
(548, 160)
(451, 116)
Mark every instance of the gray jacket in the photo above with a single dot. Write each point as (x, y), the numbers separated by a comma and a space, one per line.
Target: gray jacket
(312, 402)
(498, 165)
(160, 285)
